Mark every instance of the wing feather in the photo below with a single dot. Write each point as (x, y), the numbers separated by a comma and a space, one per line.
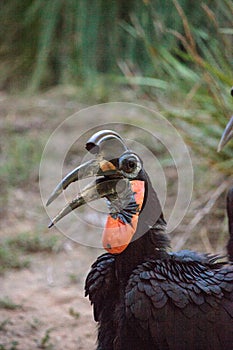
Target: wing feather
(100, 283)
(183, 303)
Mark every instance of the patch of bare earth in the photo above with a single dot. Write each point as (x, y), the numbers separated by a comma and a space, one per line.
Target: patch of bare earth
(52, 311)
(46, 307)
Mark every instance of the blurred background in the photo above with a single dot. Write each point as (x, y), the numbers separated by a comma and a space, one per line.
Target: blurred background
(57, 57)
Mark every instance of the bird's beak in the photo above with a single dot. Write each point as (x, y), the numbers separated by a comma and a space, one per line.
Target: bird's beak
(227, 135)
(96, 190)
(92, 168)
(106, 144)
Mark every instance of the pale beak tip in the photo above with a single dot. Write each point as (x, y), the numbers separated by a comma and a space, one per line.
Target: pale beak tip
(49, 201)
(51, 224)
(53, 196)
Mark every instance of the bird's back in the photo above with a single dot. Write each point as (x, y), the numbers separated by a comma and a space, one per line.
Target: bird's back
(184, 301)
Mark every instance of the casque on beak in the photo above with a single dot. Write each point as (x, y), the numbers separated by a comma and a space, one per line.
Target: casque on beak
(107, 145)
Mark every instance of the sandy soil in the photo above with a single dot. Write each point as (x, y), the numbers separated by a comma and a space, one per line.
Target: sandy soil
(53, 312)
(49, 304)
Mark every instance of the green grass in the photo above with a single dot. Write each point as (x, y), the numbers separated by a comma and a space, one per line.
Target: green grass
(74, 313)
(12, 346)
(32, 243)
(11, 259)
(13, 250)
(8, 304)
(20, 156)
(55, 42)
(19, 163)
(191, 84)
(45, 342)
(3, 324)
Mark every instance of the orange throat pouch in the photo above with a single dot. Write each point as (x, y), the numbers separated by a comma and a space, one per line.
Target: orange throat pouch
(121, 226)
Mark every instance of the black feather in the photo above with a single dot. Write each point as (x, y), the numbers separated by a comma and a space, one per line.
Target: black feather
(148, 299)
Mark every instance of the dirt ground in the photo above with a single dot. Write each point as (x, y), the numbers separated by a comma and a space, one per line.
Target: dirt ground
(50, 310)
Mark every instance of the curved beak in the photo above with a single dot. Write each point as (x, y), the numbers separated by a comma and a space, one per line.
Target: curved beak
(104, 188)
(106, 144)
(94, 167)
(227, 135)
(101, 188)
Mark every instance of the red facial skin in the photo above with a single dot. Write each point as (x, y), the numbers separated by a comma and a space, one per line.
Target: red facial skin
(117, 235)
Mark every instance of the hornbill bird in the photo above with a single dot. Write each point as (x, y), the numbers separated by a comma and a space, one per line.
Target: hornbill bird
(145, 297)
(226, 137)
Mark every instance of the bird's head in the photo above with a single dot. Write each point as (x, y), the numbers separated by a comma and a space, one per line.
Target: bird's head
(121, 179)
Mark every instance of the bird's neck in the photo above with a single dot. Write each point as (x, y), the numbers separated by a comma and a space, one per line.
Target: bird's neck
(150, 239)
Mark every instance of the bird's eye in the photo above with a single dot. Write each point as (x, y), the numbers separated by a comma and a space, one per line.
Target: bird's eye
(129, 164)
